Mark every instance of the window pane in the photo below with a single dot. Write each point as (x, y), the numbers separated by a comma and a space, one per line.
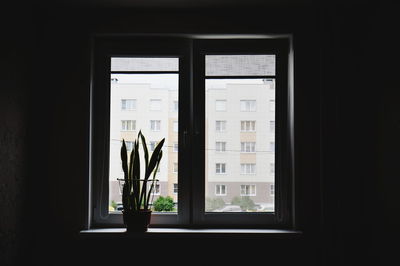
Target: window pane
(240, 65)
(137, 92)
(144, 64)
(246, 168)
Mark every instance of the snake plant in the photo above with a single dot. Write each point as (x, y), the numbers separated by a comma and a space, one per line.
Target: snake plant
(136, 191)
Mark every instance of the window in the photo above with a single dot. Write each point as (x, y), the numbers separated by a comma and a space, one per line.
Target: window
(129, 146)
(128, 104)
(247, 190)
(220, 190)
(248, 147)
(156, 189)
(155, 125)
(272, 146)
(248, 168)
(248, 105)
(175, 147)
(220, 105)
(220, 168)
(220, 146)
(175, 126)
(200, 94)
(128, 125)
(272, 190)
(248, 126)
(152, 145)
(155, 105)
(272, 126)
(220, 126)
(175, 106)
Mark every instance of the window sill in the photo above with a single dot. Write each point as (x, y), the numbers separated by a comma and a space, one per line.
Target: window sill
(185, 232)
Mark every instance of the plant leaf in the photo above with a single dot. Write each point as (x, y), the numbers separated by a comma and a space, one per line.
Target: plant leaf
(154, 158)
(124, 159)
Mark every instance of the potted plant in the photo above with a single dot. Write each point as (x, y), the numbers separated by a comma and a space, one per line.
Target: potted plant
(136, 191)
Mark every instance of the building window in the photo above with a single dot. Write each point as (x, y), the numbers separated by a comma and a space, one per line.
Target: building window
(156, 189)
(220, 168)
(248, 126)
(129, 146)
(272, 168)
(175, 147)
(272, 126)
(220, 105)
(220, 190)
(128, 104)
(247, 190)
(151, 79)
(272, 146)
(128, 125)
(220, 126)
(220, 146)
(155, 105)
(247, 147)
(152, 145)
(175, 126)
(175, 106)
(155, 125)
(248, 105)
(272, 190)
(248, 168)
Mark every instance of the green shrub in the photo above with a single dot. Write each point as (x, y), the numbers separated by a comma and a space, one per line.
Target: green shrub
(165, 204)
(213, 204)
(114, 204)
(244, 202)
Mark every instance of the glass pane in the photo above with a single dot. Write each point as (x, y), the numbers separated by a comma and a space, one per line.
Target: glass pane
(242, 177)
(144, 64)
(240, 65)
(132, 98)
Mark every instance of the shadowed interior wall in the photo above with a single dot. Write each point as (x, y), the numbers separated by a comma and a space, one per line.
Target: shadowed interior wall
(347, 171)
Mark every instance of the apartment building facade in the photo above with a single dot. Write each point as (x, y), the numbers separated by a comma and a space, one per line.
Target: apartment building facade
(240, 135)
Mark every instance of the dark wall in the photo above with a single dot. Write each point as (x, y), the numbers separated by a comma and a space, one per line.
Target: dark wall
(346, 129)
(14, 93)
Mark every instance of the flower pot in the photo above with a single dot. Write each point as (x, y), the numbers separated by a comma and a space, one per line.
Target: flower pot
(138, 221)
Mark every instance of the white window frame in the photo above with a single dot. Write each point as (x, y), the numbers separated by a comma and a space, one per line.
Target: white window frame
(130, 107)
(219, 167)
(248, 105)
(220, 146)
(248, 147)
(218, 189)
(250, 194)
(175, 147)
(248, 125)
(248, 169)
(154, 127)
(220, 125)
(175, 106)
(272, 189)
(125, 125)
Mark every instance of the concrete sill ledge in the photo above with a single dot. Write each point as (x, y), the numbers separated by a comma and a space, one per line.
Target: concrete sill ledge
(184, 232)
